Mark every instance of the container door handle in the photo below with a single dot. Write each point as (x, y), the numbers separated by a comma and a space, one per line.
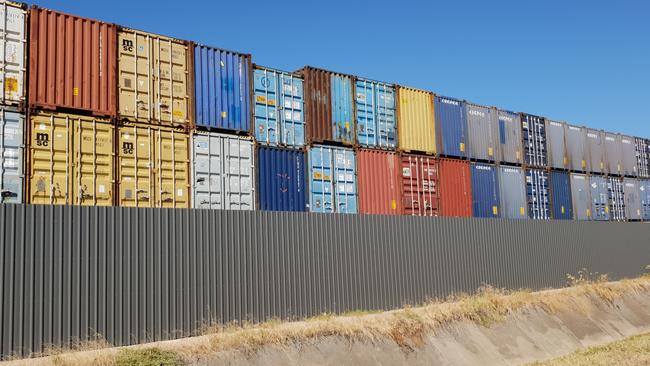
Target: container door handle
(200, 180)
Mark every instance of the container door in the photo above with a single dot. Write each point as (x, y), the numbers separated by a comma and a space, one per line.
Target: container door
(555, 132)
(321, 181)
(281, 177)
(12, 54)
(534, 135)
(50, 160)
(267, 125)
(293, 110)
(342, 109)
(510, 137)
(136, 65)
(171, 173)
(420, 186)
(632, 197)
(628, 159)
(482, 130)
(577, 150)
(642, 148)
(11, 156)
(644, 195)
(345, 181)
(375, 111)
(596, 144)
(616, 199)
(136, 166)
(599, 199)
(561, 192)
(581, 195)
(238, 173)
(92, 163)
(613, 154)
(512, 191)
(452, 124)
(538, 195)
(485, 191)
(207, 172)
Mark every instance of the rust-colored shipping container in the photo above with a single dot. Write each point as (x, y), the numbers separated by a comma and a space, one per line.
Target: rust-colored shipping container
(378, 182)
(72, 63)
(420, 175)
(455, 188)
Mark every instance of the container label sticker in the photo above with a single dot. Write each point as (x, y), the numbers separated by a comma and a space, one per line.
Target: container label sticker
(101, 188)
(297, 116)
(287, 103)
(495, 210)
(562, 210)
(406, 172)
(584, 163)
(349, 177)
(288, 115)
(222, 64)
(518, 155)
(297, 104)
(522, 211)
(602, 165)
(490, 151)
(361, 97)
(75, 91)
(393, 204)
(179, 193)
(342, 188)
(462, 147)
(618, 167)
(11, 85)
(566, 160)
(260, 99)
(41, 126)
(224, 114)
(341, 177)
(347, 125)
(606, 209)
(177, 113)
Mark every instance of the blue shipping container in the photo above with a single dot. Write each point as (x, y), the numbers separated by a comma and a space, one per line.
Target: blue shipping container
(533, 130)
(222, 89)
(538, 195)
(279, 108)
(451, 123)
(599, 198)
(342, 108)
(281, 179)
(332, 179)
(485, 191)
(376, 114)
(561, 196)
(644, 196)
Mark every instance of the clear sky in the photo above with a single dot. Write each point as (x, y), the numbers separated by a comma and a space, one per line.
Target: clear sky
(580, 61)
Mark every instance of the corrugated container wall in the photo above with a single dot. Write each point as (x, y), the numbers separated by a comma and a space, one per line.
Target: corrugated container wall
(417, 123)
(332, 180)
(644, 194)
(72, 62)
(153, 166)
(512, 191)
(420, 178)
(599, 198)
(281, 175)
(222, 89)
(279, 108)
(12, 127)
(534, 137)
(576, 145)
(451, 124)
(613, 153)
(455, 188)
(223, 171)
(510, 137)
(483, 132)
(376, 114)
(537, 188)
(557, 147)
(328, 106)
(632, 194)
(642, 147)
(13, 43)
(70, 160)
(378, 182)
(596, 147)
(616, 197)
(628, 160)
(485, 191)
(581, 196)
(561, 205)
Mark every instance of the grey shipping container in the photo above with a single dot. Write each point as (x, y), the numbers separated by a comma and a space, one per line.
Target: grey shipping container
(613, 153)
(642, 148)
(628, 157)
(581, 196)
(510, 140)
(596, 147)
(576, 146)
(12, 124)
(483, 131)
(556, 145)
(599, 198)
(222, 172)
(631, 191)
(537, 189)
(616, 198)
(512, 187)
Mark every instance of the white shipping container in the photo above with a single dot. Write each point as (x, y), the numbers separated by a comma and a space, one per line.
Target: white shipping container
(12, 53)
(11, 155)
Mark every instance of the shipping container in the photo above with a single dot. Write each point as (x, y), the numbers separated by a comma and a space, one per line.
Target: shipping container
(512, 191)
(510, 137)
(644, 194)
(539, 198)
(153, 166)
(417, 123)
(642, 149)
(279, 108)
(628, 159)
(154, 78)
(556, 144)
(332, 179)
(451, 124)
(376, 113)
(615, 193)
(599, 198)
(581, 196)
(576, 145)
(13, 41)
(596, 147)
(71, 160)
(483, 132)
(329, 109)
(613, 153)
(222, 97)
(223, 171)
(420, 178)
(281, 179)
(378, 182)
(12, 175)
(561, 205)
(455, 188)
(485, 191)
(534, 137)
(632, 195)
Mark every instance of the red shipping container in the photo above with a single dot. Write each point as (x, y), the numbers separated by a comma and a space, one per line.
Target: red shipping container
(72, 63)
(455, 188)
(378, 181)
(419, 185)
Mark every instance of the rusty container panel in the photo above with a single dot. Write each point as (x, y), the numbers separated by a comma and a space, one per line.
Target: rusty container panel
(72, 63)
(416, 120)
(378, 182)
(455, 188)
(420, 177)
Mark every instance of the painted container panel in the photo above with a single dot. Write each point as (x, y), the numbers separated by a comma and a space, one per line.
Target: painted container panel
(561, 205)
(599, 198)
(281, 179)
(420, 182)
(455, 188)
(539, 198)
(628, 159)
(613, 153)
(483, 132)
(512, 191)
(332, 180)
(616, 196)
(510, 138)
(417, 123)
(221, 89)
(72, 62)
(596, 147)
(279, 108)
(644, 195)
(153, 166)
(556, 145)
(581, 196)
(485, 191)
(70, 160)
(533, 131)
(378, 182)
(13, 52)
(642, 150)
(576, 145)
(223, 169)
(11, 155)
(632, 195)
(376, 114)
(451, 124)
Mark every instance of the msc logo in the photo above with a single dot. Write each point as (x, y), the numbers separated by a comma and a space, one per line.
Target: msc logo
(127, 45)
(42, 139)
(127, 148)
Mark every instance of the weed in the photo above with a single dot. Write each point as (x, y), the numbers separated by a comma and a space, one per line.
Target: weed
(147, 357)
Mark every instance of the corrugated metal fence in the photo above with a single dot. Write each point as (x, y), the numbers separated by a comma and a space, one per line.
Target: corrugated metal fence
(134, 275)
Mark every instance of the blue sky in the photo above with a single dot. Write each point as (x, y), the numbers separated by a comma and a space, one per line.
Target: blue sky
(584, 62)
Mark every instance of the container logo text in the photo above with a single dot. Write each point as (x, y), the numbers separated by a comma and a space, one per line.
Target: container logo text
(42, 139)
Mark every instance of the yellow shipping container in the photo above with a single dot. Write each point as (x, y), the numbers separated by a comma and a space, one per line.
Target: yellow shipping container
(153, 166)
(154, 78)
(70, 160)
(416, 124)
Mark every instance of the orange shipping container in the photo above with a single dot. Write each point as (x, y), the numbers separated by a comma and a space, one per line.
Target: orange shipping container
(378, 183)
(455, 188)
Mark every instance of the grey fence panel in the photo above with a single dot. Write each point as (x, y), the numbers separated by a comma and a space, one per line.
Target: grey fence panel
(134, 275)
